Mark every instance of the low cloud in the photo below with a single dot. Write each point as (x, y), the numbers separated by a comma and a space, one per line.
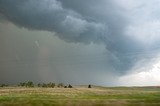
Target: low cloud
(143, 74)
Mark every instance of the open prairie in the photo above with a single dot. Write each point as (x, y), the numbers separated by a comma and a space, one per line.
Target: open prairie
(80, 96)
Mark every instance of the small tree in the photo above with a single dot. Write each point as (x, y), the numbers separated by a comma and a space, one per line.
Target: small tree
(53, 85)
(60, 85)
(29, 84)
(70, 86)
(22, 84)
(44, 85)
(49, 85)
(3, 85)
(26, 84)
(39, 85)
(89, 86)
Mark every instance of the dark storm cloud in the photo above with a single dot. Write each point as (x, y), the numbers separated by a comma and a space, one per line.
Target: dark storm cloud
(51, 16)
(98, 21)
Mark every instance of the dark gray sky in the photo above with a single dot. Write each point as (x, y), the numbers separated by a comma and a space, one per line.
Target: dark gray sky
(104, 42)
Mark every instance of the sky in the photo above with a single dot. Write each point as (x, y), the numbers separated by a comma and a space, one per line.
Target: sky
(99, 42)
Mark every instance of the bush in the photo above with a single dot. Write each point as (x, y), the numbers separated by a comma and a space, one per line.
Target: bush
(51, 85)
(22, 84)
(70, 86)
(29, 84)
(3, 85)
(44, 85)
(39, 85)
(60, 85)
(26, 84)
(89, 86)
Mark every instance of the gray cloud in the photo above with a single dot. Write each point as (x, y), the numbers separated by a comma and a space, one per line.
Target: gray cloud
(51, 16)
(76, 21)
(91, 21)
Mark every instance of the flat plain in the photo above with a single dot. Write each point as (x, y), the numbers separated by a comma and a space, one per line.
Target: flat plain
(80, 96)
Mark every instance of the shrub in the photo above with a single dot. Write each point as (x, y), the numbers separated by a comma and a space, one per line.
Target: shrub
(39, 85)
(26, 84)
(60, 85)
(89, 86)
(29, 84)
(70, 86)
(44, 85)
(3, 85)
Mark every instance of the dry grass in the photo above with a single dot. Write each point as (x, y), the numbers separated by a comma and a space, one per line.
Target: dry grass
(80, 96)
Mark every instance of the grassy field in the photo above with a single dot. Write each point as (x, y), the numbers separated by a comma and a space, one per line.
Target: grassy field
(80, 96)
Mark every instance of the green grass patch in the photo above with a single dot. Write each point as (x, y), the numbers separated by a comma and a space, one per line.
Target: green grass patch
(97, 96)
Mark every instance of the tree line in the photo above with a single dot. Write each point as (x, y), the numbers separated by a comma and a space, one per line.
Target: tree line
(43, 85)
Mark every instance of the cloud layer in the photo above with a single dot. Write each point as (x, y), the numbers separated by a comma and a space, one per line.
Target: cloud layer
(129, 29)
(98, 22)
(143, 74)
(51, 16)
